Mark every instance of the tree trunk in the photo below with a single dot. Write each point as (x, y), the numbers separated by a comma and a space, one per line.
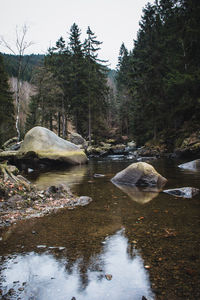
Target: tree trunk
(63, 121)
(50, 122)
(18, 98)
(59, 124)
(89, 124)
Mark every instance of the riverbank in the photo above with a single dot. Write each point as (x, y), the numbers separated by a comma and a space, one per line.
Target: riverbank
(181, 144)
(19, 201)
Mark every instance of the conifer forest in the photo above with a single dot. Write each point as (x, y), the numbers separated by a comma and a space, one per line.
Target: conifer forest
(154, 92)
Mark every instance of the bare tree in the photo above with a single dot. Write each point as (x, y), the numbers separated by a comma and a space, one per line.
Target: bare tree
(19, 50)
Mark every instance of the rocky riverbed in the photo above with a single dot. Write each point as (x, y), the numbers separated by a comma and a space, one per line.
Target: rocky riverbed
(21, 201)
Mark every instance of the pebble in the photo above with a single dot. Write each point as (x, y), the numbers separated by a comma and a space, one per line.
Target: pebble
(41, 246)
(147, 267)
(61, 248)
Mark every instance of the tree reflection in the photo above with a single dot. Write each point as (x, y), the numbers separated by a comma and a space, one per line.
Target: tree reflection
(43, 276)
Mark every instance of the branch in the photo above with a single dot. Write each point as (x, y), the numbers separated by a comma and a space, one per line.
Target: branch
(6, 45)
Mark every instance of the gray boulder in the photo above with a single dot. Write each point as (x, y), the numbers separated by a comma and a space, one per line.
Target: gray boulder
(140, 174)
(185, 192)
(77, 139)
(192, 165)
(45, 144)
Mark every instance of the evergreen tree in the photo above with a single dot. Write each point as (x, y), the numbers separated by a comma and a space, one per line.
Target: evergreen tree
(7, 107)
(77, 72)
(71, 85)
(123, 97)
(97, 90)
(161, 73)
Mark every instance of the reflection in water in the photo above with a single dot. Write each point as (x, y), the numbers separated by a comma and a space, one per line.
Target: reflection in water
(42, 276)
(70, 176)
(139, 195)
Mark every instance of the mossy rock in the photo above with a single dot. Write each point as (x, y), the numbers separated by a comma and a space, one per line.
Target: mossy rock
(140, 174)
(42, 143)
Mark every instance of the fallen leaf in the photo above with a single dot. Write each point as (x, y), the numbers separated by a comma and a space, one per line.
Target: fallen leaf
(108, 276)
(147, 267)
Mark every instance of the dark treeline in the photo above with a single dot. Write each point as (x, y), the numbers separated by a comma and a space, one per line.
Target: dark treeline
(158, 81)
(72, 85)
(158, 92)
(29, 63)
(6, 105)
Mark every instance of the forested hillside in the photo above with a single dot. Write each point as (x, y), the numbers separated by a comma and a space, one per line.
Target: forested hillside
(72, 85)
(6, 106)
(158, 80)
(154, 95)
(29, 63)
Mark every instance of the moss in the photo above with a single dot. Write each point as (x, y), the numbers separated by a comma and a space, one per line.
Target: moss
(196, 146)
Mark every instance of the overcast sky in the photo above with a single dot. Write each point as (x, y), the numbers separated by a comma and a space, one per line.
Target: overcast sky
(113, 21)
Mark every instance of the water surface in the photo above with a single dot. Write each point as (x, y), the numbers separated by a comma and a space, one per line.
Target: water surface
(126, 244)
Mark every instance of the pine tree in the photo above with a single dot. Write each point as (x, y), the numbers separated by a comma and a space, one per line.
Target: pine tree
(7, 107)
(97, 90)
(162, 71)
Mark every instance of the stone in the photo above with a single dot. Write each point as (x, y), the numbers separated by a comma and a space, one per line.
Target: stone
(140, 174)
(119, 149)
(42, 143)
(96, 175)
(131, 146)
(192, 165)
(83, 200)
(77, 139)
(96, 151)
(184, 192)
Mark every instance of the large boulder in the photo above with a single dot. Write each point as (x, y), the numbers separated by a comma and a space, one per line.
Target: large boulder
(140, 174)
(191, 165)
(45, 144)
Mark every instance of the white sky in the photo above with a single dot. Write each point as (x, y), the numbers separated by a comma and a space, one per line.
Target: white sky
(113, 21)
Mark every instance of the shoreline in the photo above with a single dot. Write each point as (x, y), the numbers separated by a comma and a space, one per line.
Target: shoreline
(22, 202)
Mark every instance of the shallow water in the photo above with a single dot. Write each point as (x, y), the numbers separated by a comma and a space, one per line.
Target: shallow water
(126, 244)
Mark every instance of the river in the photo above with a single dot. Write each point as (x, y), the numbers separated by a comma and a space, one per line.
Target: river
(126, 244)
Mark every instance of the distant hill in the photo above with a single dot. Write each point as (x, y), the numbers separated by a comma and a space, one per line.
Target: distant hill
(29, 63)
(34, 60)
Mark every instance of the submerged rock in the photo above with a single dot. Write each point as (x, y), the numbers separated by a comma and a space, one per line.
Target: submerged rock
(192, 165)
(98, 175)
(185, 192)
(45, 144)
(83, 200)
(140, 174)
